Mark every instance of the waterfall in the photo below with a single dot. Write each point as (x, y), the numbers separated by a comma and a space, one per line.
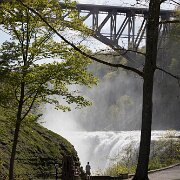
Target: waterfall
(97, 147)
(100, 147)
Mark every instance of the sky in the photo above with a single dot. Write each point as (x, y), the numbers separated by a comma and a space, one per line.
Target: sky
(133, 3)
(142, 3)
(96, 45)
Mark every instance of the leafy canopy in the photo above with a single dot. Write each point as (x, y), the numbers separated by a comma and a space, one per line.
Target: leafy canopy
(36, 67)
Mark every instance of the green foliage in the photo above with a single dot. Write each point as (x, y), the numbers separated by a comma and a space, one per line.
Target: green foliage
(116, 170)
(155, 164)
(101, 71)
(124, 162)
(36, 68)
(173, 46)
(175, 32)
(164, 152)
(30, 56)
(111, 102)
(37, 151)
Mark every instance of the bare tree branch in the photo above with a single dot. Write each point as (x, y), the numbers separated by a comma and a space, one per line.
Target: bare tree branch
(94, 58)
(30, 107)
(170, 74)
(79, 50)
(175, 2)
(162, 1)
(109, 52)
(130, 50)
(168, 22)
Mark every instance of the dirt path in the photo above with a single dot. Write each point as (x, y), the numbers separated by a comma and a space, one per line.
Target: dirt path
(172, 173)
(168, 174)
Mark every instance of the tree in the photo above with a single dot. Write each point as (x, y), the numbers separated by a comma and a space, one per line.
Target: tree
(26, 80)
(149, 69)
(147, 74)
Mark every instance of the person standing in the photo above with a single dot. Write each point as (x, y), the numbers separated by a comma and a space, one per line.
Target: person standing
(88, 170)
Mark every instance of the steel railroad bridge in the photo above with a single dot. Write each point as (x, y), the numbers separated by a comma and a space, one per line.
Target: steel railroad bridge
(121, 28)
(112, 24)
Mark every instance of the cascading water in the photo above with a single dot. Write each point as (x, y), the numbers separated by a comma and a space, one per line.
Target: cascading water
(104, 131)
(100, 148)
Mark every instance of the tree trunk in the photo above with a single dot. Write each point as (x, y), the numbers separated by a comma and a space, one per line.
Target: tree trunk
(143, 160)
(149, 69)
(13, 152)
(16, 133)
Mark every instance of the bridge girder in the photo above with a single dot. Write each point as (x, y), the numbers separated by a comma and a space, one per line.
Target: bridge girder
(134, 33)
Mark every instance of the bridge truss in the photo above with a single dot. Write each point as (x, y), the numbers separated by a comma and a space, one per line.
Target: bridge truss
(113, 25)
(121, 27)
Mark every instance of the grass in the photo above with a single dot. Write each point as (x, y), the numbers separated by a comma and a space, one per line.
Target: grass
(37, 151)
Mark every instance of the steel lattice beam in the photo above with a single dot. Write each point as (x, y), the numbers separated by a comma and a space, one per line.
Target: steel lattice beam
(128, 25)
(114, 34)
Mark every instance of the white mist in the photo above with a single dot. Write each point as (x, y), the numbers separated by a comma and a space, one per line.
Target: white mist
(98, 147)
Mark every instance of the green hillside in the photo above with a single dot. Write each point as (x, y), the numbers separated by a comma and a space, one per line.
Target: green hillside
(37, 152)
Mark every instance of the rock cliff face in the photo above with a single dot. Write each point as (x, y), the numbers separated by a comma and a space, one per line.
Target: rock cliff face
(38, 151)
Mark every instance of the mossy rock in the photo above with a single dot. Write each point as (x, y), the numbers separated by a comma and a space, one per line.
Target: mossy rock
(38, 150)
